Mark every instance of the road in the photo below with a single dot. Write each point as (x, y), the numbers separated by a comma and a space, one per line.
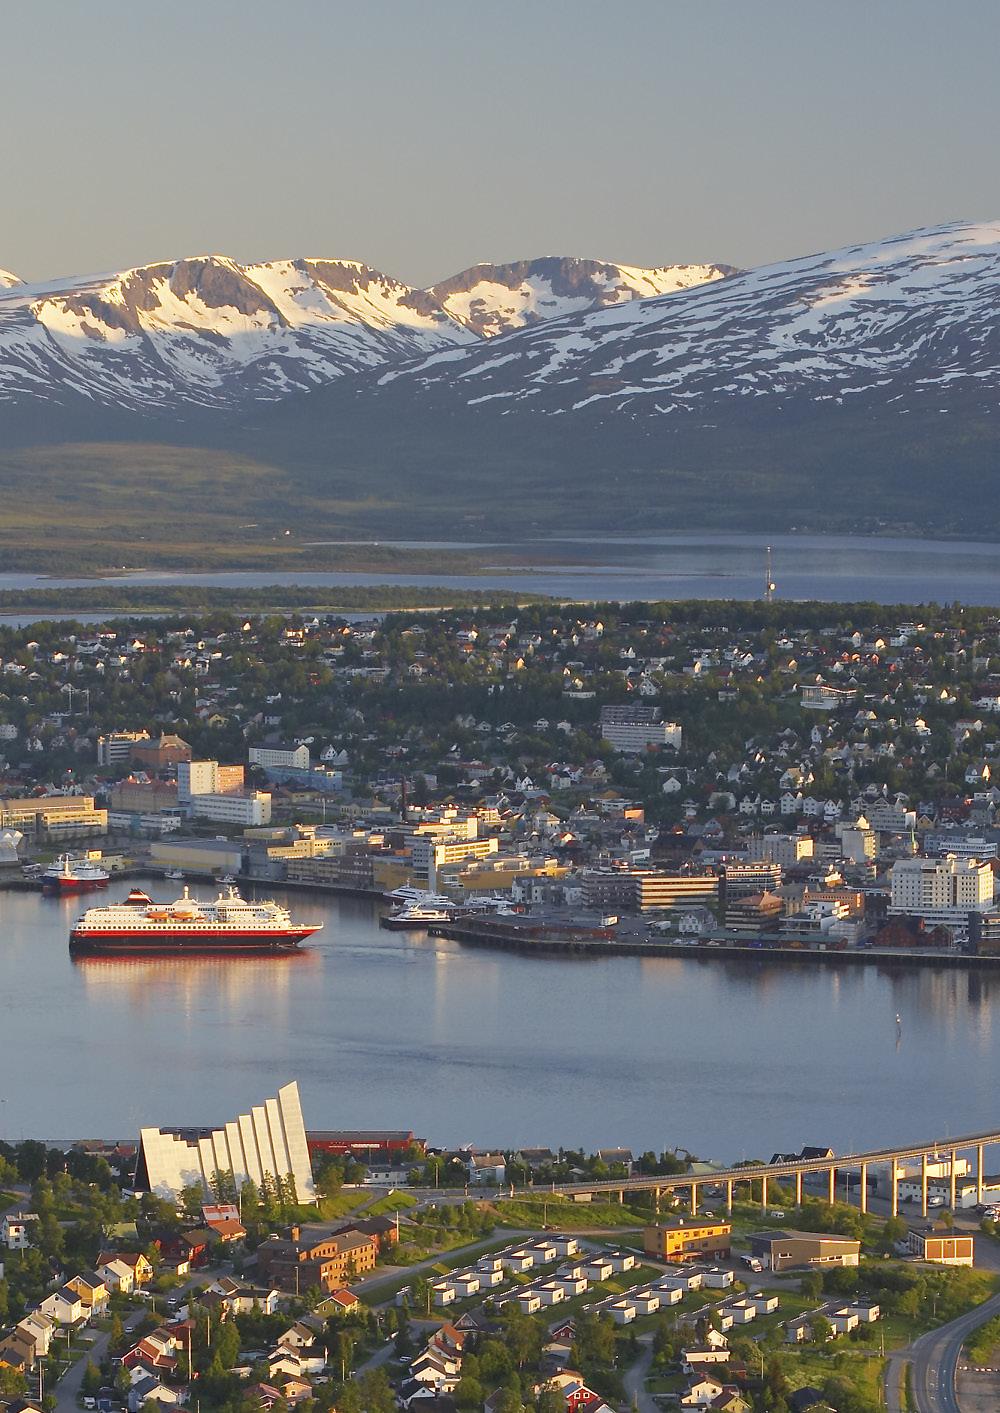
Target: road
(68, 1388)
(933, 1358)
(635, 1376)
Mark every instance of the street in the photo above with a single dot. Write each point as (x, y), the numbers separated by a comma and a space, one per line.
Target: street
(933, 1358)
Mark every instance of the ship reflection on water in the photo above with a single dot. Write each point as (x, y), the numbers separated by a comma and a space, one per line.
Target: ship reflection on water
(393, 1030)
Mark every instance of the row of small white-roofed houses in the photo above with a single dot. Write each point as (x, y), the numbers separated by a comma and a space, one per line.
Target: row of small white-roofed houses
(491, 1272)
(665, 1290)
(573, 1277)
(841, 1316)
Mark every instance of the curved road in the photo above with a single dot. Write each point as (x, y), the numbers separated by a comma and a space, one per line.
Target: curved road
(933, 1358)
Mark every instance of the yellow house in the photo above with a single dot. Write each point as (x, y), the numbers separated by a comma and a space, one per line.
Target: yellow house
(92, 1290)
(688, 1240)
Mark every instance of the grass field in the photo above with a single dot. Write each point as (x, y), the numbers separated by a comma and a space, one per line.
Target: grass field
(570, 1216)
(391, 1203)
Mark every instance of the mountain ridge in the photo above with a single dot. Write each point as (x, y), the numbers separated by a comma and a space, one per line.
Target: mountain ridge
(209, 332)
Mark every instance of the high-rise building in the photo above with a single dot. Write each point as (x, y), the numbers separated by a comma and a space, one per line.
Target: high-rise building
(940, 891)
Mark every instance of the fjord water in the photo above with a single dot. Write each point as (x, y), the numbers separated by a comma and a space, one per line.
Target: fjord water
(709, 565)
(396, 1030)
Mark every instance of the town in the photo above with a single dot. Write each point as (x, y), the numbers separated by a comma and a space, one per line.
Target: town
(263, 1266)
(808, 778)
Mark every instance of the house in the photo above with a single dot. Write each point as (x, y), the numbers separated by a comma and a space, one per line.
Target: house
(64, 1306)
(18, 1352)
(576, 1395)
(15, 1228)
(149, 1388)
(141, 1267)
(303, 1334)
(118, 1276)
(239, 1299)
(486, 1168)
(92, 1291)
(683, 1281)
(696, 1356)
(39, 1328)
(339, 1302)
(702, 1391)
(265, 1396)
(156, 1351)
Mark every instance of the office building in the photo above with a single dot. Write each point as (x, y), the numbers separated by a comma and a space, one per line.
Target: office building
(941, 892)
(692, 1239)
(54, 817)
(280, 757)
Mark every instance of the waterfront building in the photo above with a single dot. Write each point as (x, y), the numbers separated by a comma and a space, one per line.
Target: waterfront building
(427, 855)
(688, 1239)
(364, 1144)
(744, 879)
(54, 817)
(963, 846)
(271, 1140)
(756, 913)
(208, 790)
(642, 890)
(941, 892)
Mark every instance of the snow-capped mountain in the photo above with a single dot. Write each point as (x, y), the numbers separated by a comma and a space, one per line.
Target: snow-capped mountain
(857, 388)
(7, 280)
(211, 333)
(910, 319)
(494, 299)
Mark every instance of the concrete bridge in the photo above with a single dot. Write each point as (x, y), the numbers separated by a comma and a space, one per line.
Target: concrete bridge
(938, 1150)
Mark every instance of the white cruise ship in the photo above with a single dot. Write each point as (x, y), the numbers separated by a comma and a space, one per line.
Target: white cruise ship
(229, 924)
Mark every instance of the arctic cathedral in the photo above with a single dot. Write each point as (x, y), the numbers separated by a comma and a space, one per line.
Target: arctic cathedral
(270, 1140)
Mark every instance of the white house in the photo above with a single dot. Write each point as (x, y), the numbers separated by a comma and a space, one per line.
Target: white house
(14, 1229)
(64, 1306)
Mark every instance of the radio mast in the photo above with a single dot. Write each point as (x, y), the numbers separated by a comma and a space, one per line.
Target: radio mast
(769, 584)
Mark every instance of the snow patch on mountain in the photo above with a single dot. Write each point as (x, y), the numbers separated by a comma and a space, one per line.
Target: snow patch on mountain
(210, 331)
(7, 280)
(898, 316)
(495, 299)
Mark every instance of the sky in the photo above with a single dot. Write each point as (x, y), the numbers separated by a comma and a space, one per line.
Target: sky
(424, 136)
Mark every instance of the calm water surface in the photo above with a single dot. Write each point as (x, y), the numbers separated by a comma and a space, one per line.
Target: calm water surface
(705, 566)
(396, 1030)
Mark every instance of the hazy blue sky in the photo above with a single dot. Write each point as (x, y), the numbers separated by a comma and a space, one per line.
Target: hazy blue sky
(426, 135)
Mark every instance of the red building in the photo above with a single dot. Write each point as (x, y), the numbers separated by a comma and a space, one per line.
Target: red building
(364, 1145)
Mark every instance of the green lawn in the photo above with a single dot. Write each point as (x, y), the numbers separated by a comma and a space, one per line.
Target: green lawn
(391, 1203)
(560, 1213)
